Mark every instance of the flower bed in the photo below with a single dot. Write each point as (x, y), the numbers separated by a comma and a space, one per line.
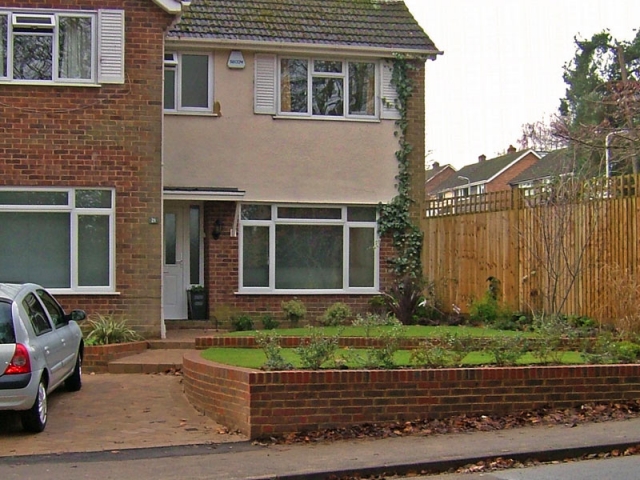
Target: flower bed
(259, 403)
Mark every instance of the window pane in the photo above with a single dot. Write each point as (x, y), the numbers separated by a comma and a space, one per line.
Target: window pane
(35, 311)
(309, 257)
(328, 95)
(195, 81)
(93, 198)
(7, 334)
(293, 85)
(256, 212)
(361, 214)
(93, 250)
(194, 245)
(312, 213)
(326, 66)
(3, 45)
(32, 57)
(361, 257)
(169, 88)
(13, 197)
(362, 88)
(35, 247)
(75, 47)
(170, 245)
(255, 257)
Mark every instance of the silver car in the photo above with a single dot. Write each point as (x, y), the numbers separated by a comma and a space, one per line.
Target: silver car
(40, 349)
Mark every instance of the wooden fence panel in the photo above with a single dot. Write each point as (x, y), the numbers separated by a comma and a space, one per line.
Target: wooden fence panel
(536, 244)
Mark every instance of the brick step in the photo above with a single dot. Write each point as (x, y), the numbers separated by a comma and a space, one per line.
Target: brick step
(149, 361)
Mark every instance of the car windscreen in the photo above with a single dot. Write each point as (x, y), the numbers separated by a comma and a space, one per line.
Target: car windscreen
(7, 335)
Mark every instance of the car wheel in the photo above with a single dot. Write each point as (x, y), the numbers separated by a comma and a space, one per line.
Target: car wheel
(74, 382)
(35, 419)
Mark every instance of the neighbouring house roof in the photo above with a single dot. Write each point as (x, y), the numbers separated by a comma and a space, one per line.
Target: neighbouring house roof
(557, 162)
(379, 24)
(436, 175)
(483, 171)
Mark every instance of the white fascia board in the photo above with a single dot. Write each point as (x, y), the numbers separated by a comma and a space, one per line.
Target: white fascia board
(513, 163)
(196, 196)
(275, 47)
(169, 6)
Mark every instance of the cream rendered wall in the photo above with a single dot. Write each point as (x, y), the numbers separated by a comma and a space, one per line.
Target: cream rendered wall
(277, 160)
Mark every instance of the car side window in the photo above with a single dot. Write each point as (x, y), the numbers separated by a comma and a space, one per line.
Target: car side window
(7, 335)
(37, 315)
(55, 311)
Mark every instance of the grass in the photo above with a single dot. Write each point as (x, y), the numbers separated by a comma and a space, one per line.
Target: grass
(416, 331)
(255, 357)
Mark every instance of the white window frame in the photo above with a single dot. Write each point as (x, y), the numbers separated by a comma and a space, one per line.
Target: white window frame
(173, 61)
(75, 213)
(344, 75)
(346, 224)
(107, 44)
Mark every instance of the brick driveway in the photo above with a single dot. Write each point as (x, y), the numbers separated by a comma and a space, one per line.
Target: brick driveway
(114, 412)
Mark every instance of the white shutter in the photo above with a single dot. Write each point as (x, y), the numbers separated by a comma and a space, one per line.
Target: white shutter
(388, 92)
(265, 92)
(111, 46)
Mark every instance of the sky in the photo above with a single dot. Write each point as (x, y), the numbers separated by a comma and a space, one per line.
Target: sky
(502, 66)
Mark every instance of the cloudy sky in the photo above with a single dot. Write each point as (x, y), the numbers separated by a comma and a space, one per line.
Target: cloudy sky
(502, 66)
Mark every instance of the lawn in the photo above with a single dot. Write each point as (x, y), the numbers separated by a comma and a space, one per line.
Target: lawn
(414, 331)
(255, 357)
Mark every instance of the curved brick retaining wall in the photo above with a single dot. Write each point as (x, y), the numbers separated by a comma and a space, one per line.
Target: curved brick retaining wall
(259, 403)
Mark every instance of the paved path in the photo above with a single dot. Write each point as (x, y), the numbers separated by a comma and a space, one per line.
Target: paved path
(114, 412)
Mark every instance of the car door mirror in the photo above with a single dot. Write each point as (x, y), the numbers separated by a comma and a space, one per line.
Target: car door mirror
(77, 315)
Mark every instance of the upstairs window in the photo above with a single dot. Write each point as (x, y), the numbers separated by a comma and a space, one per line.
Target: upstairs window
(62, 47)
(188, 82)
(328, 88)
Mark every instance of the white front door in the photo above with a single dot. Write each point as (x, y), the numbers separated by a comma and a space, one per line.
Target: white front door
(175, 276)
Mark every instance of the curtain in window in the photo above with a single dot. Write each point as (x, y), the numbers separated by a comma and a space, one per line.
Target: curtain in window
(35, 247)
(75, 47)
(3, 45)
(362, 79)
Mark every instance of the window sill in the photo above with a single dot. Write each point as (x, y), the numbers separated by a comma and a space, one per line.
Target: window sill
(49, 84)
(191, 114)
(308, 292)
(61, 292)
(327, 119)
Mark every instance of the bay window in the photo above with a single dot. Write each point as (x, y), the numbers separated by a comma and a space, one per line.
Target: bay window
(308, 249)
(60, 238)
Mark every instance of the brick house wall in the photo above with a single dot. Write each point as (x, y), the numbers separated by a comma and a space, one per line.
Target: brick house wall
(107, 136)
(501, 182)
(222, 256)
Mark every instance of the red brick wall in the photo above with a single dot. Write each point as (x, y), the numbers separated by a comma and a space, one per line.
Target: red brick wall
(502, 181)
(263, 403)
(221, 277)
(108, 136)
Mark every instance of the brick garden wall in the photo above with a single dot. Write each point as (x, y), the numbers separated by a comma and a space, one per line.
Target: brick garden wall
(261, 403)
(107, 136)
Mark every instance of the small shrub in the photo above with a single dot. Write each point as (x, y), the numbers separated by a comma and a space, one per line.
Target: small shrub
(403, 300)
(506, 351)
(607, 349)
(554, 331)
(294, 311)
(372, 320)
(269, 323)
(336, 315)
(377, 305)
(270, 344)
(317, 349)
(242, 323)
(382, 357)
(109, 329)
